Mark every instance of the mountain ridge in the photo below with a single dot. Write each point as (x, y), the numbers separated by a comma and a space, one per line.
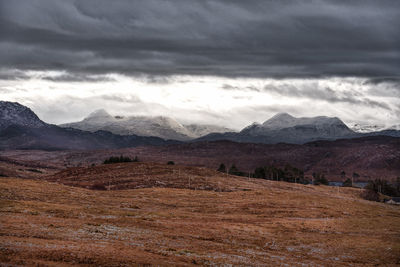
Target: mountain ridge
(158, 126)
(283, 127)
(21, 128)
(13, 113)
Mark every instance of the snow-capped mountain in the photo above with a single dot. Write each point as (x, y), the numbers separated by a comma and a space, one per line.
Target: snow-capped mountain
(12, 113)
(198, 130)
(285, 128)
(159, 126)
(320, 126)
(20, 128)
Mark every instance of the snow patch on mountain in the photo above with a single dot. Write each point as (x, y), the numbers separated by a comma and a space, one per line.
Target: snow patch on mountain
(12, 113)
(197, 130)
(159, 126)
(284, 120)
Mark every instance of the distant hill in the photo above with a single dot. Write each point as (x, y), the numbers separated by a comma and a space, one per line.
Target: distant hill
(20, 128)
(370, 157)
(158, 126)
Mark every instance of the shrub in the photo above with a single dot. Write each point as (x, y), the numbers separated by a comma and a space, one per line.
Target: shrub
(222, 168)
(260, 173)
(378, 188)
(98, 187)
(235, 171)
(348, 183)
(369, 194)
(320, 179)
(119, 159)
(382, 186)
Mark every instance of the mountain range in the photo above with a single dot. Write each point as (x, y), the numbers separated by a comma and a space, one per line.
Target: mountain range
(159, 126)
(284, 128)
(20, 128)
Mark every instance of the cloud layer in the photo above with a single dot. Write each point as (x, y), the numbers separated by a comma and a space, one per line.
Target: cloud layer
(210, 37)
(234, 103)
(213, 61)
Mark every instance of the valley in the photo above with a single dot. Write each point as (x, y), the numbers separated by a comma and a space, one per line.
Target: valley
(369, 157)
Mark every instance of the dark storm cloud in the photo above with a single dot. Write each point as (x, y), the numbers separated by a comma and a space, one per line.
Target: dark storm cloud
(77, 77)
(326, 94)
(10, 74)
(313, 91)
(227, 38)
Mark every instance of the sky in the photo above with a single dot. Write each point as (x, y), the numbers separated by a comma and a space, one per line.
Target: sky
(221, 62)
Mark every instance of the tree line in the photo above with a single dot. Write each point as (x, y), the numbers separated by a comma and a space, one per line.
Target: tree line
(373, 190)
(288, 174)
(120, 159)
(378, 187)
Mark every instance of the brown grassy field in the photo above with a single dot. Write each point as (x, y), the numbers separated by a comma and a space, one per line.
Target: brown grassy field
(257, 222)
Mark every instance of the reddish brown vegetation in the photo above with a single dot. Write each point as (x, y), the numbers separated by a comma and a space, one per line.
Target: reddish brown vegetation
(145, 175)
(370, 157)
(150, 217)
(275, 223)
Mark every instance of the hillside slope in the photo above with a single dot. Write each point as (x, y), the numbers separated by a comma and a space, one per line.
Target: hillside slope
(146, 175)
(275, 224)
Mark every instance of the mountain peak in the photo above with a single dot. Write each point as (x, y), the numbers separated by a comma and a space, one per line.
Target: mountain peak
(281, 115)
(99, 113)
(13, 113)
(280, 120)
